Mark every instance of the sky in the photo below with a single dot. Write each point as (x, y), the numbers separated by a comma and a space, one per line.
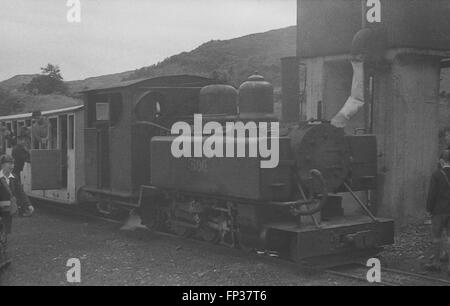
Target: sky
(120, 35)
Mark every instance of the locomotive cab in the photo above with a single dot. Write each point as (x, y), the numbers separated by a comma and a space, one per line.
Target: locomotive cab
(120, 121)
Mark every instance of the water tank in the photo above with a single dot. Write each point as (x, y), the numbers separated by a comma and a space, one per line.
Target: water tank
(256, 95)
(218, 99)
(327, 27)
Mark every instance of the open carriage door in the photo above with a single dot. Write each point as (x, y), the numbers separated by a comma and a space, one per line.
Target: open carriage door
(46, 157)
(46, 169)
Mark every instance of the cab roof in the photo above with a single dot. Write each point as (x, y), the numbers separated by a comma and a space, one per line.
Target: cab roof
(183, 80)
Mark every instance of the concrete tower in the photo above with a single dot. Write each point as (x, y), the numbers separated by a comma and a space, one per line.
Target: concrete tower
(412, 39)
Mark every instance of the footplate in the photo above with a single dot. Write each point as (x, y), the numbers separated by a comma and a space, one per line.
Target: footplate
(345, 235)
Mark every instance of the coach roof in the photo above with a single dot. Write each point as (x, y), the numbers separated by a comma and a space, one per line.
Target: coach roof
(44, 113)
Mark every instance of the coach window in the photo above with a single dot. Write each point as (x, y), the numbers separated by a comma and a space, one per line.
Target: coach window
(71, 132)
(53, 137)
(20, 125)
(2, 136)
(8, 138)
(63, 132)
(14, 126)
(63, 145)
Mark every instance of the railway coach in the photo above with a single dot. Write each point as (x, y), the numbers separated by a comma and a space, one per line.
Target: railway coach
(56, 141)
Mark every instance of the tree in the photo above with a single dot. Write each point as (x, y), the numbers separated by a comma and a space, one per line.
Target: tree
(52, 71)
(49, 81)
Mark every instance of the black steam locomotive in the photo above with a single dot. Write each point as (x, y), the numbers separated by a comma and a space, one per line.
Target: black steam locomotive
(304, 207)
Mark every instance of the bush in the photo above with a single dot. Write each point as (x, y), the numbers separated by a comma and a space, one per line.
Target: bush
(48, 82)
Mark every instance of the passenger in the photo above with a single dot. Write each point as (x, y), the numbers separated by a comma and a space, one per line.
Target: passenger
(21, 155)
(8, 204)
(444, 137)
(3, 135)
(9, 139)
(438, 206)
(10, 187)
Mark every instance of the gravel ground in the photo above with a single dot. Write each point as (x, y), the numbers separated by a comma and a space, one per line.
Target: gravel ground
(412, 250)
(42, 245)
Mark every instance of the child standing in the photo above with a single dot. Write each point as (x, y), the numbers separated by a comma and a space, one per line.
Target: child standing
(438, 206)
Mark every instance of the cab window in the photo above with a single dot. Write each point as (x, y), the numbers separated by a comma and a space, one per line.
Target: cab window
(53, 133)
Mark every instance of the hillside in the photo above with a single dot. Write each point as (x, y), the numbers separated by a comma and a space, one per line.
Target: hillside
(16, 81)
(46, 102)
(99, 81)
(233, 59)
(229, 60)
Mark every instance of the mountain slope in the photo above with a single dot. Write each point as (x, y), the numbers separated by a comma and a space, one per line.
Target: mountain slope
(233, 59)
(99, 81)
(16, 81)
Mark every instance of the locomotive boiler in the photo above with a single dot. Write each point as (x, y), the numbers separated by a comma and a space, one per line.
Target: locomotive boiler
(314, 203)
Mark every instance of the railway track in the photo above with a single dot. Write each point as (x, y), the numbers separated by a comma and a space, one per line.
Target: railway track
(389, 277)
(351, 270)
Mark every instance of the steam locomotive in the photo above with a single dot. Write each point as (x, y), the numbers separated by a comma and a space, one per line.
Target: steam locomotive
(295, 209)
